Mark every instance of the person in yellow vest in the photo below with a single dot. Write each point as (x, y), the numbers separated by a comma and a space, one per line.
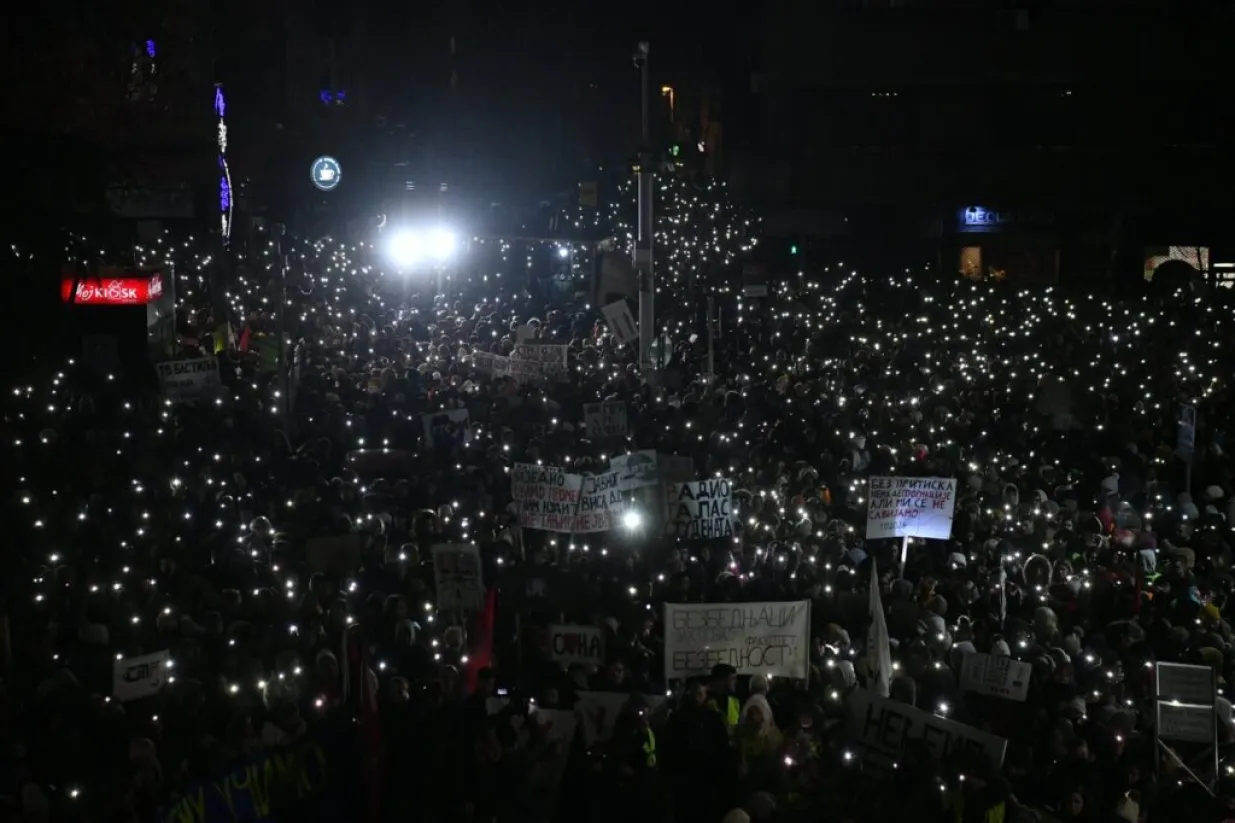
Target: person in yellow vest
(634, 739)
(979, 796)
(633, 756)
(723, 699)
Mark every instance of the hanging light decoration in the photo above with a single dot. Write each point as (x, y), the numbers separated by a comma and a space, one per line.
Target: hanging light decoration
(225, 176)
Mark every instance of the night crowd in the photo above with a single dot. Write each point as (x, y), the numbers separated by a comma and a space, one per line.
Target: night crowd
(328, 685)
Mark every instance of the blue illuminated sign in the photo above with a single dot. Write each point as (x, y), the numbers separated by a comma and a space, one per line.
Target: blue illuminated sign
(325, 173)
(978, 216)
(977, 219)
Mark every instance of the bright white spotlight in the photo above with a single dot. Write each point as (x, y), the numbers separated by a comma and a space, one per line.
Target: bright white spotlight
(441, 244)
(563, 252)
(632, 520)
(405, 249)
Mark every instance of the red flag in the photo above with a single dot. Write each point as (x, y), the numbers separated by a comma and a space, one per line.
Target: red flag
(244, 338)
(481, 654)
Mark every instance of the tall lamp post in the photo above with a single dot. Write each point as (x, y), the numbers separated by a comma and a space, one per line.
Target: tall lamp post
(644, 240)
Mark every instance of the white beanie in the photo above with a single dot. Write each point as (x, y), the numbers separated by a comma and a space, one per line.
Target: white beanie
(848, 675)
(737, 816)
(1128, 809)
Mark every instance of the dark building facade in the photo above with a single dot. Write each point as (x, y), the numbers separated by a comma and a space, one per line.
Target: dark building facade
(1021, 142)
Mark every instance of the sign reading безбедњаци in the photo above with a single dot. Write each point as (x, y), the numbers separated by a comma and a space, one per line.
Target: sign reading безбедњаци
(911, 507)
(754, 638)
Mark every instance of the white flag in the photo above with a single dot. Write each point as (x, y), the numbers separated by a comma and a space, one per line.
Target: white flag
(878, 649)
(1003, 596)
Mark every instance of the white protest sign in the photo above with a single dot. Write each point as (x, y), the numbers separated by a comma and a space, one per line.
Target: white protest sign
(754, 638)
(525, 333)
(598, 712)
(1186, 697)
(621, 321)
(498, 365)
(997, 676)
(601, 503)
(548, 496)
(638, 469)
(442, 423)
(886, 727)
(551, 353)
(141, 676)
(551, 358)
(1185, 683)
(577, 644)
(1187, 722)
(911, 507)
(701, 509)
(183, 379)
(457, 575)
(607, 419)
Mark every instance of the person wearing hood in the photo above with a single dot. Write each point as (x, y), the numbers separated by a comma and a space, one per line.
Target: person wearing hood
(758, 740)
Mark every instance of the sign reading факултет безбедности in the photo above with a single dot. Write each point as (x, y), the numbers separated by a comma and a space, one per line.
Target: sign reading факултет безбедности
(754, 638)
(911, 507)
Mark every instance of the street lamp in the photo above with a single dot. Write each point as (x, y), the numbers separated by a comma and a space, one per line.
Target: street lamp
(411, 248)
(667, 91)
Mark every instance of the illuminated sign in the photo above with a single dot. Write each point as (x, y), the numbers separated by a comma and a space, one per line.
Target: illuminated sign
(325, 173)
(976, 218)
(225, 174)
(112, 291)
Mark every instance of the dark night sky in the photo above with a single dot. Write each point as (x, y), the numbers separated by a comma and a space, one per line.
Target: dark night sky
(543, 85)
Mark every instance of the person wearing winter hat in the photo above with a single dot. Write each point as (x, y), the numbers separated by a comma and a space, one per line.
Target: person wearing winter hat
(758, 698)
(758, 741)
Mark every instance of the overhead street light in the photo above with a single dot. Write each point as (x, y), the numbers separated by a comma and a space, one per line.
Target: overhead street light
(409, 248)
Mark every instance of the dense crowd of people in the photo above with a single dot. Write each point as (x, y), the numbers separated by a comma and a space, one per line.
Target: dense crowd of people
(279, 551)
